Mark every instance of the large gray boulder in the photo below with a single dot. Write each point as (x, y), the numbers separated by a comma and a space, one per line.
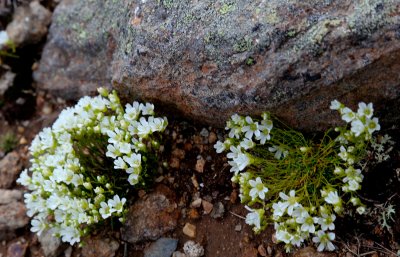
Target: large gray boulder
(208, 59)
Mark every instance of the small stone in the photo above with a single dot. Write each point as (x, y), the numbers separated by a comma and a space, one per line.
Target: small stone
(212, 138)
(198, 140)
(174, 163)
(188, 146)
(23, 141)
(51, 245)
(68, 252)
(207, 206)
(204, 132)
(233, 197)
(195, 183)
(178, 254)
(29, 24)
(193, 249)
(10, 167)
(196, 203)
(95, 247)
(238, 227)
(189, 230)
(6, 81)
(218, 210)
(13, 216)
(151, 216)
(200, 165)
(261, 250)
(8, 196)
(47, 109)
(17, 249)
(179, 153)
(193, 214)
(269, 250)
(163, 247)
(273, 238)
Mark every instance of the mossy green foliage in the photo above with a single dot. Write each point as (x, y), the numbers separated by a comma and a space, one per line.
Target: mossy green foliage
(8, 142)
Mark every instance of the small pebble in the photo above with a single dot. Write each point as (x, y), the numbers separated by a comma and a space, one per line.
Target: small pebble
(196, 203)
(200, 165)
(189, 230)
(218, 210)
(23, 141)
(195, 183)
(207, 207)
(193, 214)
(269, 250)
(261, 250)
(20, 129)
(174, 163)
(212, 138)
(204, 132)
(238, 227)
(193, 249)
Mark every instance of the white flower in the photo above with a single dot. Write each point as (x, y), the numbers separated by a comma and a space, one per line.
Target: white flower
(324, 241)
(251, 128)
(327, 221)
(234, 153)
(307, 222)
(279, 209)
(38, 226)
(332, 198)
(24, 179)
(291, 201)
(357, 127)
(70, 234)
(117, 203)
(247, 144)
(283, 235)
(219, 147)
(279, 151)
(112, 151)
(365, 110)
(133, 178)
(120, 164)
(372, 125)
(335, 105)
(134, 161)
(3, 38)
(254, 218)
(258, 189)
(106, 210)
(132, 111)
(347, 114)
(242, 161)
(147, 109)
(143, 128)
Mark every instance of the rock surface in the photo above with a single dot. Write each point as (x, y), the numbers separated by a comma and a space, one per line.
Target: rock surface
(151, 216)
(12, 216)
(208, 59)
(10, 167)
(163, 247)
(9, 196)
(100, 247)
(51, 245)
(193, 249)
(311, 252)
(29, 24)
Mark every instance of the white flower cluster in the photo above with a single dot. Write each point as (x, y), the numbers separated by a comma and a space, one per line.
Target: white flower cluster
(66, 196)
(243, 132)
(307, 211)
